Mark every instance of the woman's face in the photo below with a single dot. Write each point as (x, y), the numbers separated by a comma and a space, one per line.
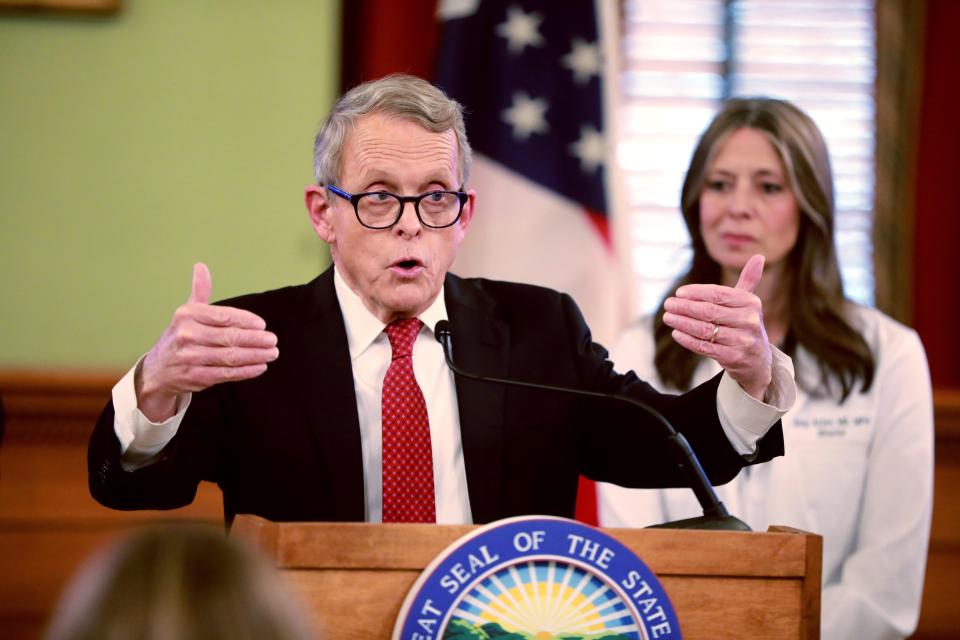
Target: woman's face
(747, 206)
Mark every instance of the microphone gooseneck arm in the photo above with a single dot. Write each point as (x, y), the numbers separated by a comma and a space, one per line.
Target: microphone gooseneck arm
(715, 514)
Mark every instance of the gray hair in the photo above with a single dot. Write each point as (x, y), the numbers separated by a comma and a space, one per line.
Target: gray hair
(400, 95)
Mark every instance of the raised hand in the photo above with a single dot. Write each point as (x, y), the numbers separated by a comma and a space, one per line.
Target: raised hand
(202, 346)
(726, 324)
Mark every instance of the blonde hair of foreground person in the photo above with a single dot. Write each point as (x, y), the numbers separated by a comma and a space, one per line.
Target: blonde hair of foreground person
(177, 582)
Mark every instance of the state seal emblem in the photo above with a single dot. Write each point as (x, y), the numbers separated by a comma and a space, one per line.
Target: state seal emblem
(536, 578)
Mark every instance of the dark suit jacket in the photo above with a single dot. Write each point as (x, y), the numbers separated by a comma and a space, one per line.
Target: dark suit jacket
(286, 445)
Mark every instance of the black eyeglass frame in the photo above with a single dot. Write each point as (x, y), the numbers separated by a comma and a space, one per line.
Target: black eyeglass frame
(354, 198)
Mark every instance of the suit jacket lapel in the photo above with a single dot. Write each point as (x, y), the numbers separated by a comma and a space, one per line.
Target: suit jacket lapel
(324, 385)
(481, 344)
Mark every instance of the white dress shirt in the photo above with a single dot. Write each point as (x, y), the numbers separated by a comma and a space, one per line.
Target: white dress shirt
(371, 354)
(744, 419)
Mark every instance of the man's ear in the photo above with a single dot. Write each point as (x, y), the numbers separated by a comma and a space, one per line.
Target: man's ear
(469, 208)
(318, 207)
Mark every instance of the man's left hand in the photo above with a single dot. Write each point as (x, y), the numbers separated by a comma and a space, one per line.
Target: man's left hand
(726, 324)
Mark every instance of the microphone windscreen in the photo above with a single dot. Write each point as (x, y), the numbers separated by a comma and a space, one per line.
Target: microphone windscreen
(442, 330)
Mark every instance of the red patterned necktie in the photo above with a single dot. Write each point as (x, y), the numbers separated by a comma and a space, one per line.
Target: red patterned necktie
(408, 494)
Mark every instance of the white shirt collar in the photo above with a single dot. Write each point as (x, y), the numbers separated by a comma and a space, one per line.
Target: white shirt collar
(363, 328)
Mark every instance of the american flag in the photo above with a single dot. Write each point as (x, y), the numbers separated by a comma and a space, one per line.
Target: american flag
(530, 75)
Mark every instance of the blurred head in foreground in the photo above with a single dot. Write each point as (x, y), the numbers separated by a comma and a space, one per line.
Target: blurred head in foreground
(177, 582)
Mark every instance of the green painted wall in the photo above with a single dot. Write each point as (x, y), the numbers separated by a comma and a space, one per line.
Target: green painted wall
(135, 145)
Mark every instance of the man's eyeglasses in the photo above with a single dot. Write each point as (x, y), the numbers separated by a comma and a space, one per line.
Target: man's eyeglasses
(382, 209)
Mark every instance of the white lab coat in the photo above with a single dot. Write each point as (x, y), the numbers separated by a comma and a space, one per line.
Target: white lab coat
(860, 474)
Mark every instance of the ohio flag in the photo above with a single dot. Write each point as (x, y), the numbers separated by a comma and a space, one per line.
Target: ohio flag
(529, 73)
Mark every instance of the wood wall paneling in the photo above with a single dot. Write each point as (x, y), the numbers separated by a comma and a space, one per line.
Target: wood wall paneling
(939, 616)
(49, 524)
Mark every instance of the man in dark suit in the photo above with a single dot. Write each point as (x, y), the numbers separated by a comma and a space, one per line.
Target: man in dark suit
(281, 397)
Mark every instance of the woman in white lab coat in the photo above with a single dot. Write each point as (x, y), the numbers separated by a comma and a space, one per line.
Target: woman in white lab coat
(859, 441)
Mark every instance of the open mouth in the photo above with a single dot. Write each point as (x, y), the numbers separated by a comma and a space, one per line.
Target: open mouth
(407, 266)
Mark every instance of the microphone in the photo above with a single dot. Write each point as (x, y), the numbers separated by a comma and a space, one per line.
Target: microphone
(715, 515)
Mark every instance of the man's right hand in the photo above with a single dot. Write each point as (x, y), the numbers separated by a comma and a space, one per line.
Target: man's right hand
(202, 346)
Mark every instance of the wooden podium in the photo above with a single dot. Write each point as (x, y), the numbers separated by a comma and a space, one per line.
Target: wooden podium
(353, 578)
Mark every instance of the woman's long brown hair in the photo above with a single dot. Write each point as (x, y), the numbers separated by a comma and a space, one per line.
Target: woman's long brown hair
(819, 314)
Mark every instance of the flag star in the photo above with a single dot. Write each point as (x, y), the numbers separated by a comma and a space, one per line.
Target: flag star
(590, 149)
(521, 30)
(526, 115)
(457, 9)
(583, 60)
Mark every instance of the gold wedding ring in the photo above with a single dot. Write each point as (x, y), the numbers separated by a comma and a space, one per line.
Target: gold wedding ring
(716, 330)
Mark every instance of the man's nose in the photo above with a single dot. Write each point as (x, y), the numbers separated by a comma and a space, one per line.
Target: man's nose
(409, 223)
